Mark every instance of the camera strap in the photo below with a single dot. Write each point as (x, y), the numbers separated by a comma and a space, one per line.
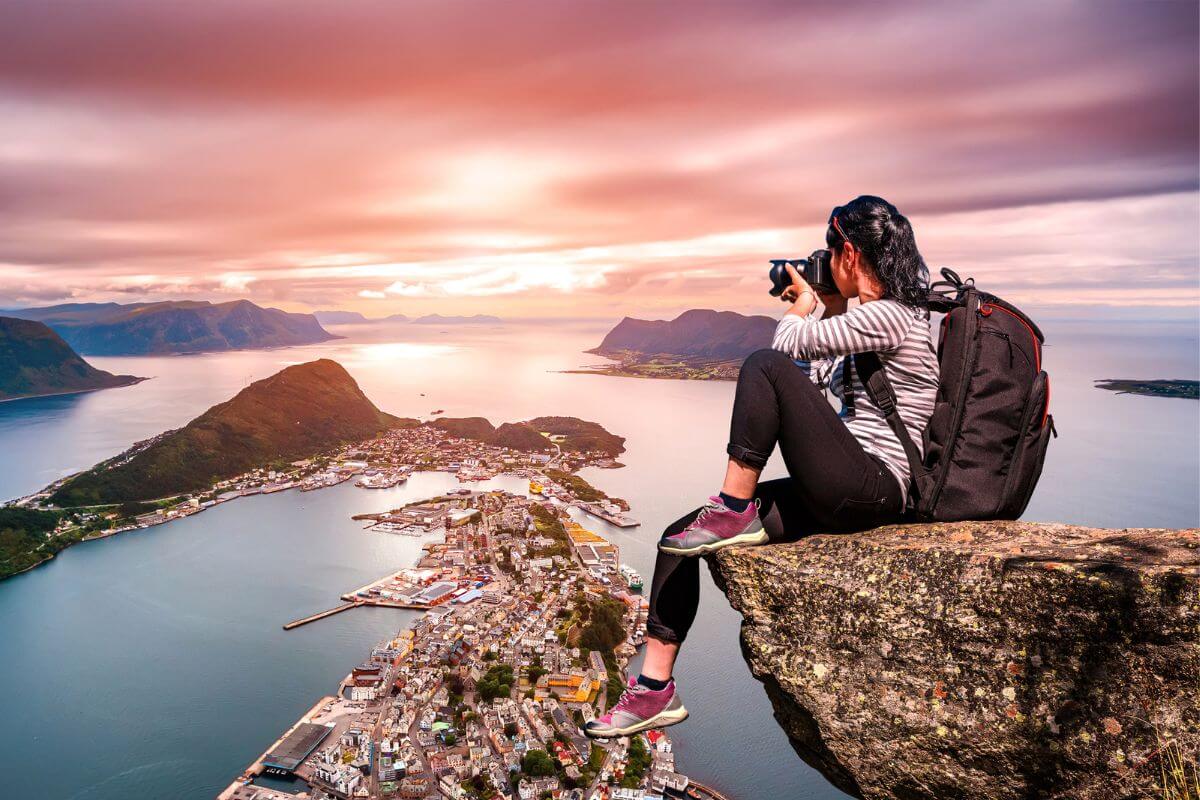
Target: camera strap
(880, 390)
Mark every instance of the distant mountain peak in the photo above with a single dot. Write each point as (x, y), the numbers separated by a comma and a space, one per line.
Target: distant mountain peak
(700, 332)
(34, 360)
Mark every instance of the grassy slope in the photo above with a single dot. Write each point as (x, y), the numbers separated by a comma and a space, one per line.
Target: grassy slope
(34, 360)
(295, 413)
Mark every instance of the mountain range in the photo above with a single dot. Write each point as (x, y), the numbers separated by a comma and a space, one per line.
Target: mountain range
(188, 326)
(298, 412)
(34, 360)
(696, 333)
(477, 319)
(334, 317)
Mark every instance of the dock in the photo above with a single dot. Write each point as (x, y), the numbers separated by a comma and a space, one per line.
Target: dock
(707, 791)
(320, 615)
(257, 768)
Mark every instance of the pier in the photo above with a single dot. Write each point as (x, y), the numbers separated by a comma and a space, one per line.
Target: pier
(320, 615)
(706, 791)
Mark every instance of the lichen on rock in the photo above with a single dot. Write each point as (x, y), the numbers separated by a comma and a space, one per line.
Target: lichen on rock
(978, 659)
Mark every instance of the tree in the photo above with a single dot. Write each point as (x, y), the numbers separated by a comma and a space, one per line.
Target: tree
(636, 764)
(537, 764)
(496, 683)
(606, 626)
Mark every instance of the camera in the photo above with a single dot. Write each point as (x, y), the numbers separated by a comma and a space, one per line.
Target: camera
(815, 270)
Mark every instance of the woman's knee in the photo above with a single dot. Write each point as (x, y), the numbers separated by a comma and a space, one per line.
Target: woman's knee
(765, 360)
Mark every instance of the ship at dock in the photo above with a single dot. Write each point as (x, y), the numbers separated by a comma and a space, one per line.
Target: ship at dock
(632, 578)
(382, 480)
(610, 513)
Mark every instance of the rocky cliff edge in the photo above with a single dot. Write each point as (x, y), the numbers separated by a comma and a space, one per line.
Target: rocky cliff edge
(981, 659)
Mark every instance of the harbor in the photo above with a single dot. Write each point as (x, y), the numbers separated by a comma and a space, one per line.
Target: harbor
(491, 672)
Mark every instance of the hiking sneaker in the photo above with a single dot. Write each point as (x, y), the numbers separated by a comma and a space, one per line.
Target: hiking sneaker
(639, 709)
(716, 526)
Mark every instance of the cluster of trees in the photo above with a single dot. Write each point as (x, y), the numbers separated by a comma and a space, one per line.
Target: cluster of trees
(546, 523)
(479, 786)
(577, 485)
(637, 762)
(605, 625)
(538, 764)
(25, 538)
(497, 682)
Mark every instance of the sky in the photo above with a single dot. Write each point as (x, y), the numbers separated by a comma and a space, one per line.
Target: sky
(589, 159)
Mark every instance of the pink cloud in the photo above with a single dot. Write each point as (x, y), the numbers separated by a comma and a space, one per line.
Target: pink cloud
(289, 150)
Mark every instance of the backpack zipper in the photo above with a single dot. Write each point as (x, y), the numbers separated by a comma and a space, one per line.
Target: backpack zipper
(1026, 414)
(987, 308)
(973, 329)
(1007, 341)
(1037, 352)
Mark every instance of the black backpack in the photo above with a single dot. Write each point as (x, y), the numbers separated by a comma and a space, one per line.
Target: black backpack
(986, 440)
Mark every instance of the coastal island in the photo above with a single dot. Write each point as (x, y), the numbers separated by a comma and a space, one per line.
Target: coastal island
(699, 344)
(1189, 390)
(36, 362)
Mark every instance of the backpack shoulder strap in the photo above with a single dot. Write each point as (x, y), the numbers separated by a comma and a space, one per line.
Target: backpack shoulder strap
(879, 388)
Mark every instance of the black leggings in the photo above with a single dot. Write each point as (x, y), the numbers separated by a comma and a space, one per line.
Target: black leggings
(834, 486)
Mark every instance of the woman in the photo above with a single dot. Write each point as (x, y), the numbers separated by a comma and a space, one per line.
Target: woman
(848, 471)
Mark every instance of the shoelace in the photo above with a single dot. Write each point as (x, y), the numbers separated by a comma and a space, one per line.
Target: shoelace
(624, 700)
(704, 512)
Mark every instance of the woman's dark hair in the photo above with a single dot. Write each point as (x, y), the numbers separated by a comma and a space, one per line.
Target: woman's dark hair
(885, 237)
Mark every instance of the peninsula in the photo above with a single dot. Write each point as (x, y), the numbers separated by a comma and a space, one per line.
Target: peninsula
(529, 626)
(35, 361)
(697, 345)
(306, 427)
(1162, 388)
(116, 329)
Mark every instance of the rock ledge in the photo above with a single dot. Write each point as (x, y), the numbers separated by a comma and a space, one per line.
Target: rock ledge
(981, 659)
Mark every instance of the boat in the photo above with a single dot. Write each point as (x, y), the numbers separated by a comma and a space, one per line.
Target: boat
(612, 518)
(631, 577)
(536, 488)
(381, 480)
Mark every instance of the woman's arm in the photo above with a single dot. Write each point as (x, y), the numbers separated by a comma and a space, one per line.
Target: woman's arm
(877, 326)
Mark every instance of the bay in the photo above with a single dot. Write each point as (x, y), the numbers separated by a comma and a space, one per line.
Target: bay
(153, 664)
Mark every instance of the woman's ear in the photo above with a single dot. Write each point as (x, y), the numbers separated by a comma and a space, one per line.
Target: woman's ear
(851, 254)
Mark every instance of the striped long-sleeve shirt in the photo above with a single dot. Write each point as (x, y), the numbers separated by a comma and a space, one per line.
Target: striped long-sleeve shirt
(901, 335)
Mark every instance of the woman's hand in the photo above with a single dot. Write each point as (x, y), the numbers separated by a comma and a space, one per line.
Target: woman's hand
(834, 303)
(799, 294)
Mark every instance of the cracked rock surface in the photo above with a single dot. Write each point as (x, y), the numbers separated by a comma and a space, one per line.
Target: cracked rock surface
(978, 659)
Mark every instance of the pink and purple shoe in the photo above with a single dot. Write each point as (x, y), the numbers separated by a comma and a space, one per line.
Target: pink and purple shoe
(639, 709)
(715, 527)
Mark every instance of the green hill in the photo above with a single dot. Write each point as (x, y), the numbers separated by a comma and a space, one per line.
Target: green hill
(296, 413)
(580, 435)
(34, 360)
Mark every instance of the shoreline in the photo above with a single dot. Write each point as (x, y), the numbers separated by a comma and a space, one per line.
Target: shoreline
(136, 380)
(256, 482)
(397, 715)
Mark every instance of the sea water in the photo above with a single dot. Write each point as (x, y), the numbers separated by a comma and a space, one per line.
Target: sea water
(153, 664)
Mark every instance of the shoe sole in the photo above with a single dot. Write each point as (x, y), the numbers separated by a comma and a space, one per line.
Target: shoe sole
(664, 719)
(742, 539)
